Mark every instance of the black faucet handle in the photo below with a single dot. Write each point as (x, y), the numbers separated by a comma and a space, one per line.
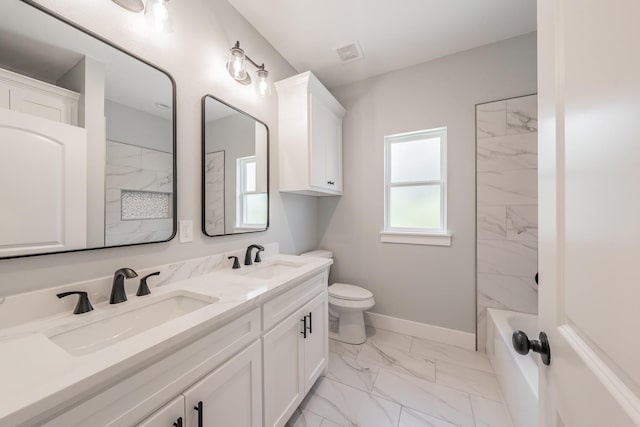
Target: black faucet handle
(260, 249)
(143, 288)
(236, 263)
(83, 305)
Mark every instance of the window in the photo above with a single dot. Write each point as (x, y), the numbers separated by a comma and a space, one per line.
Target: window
(415, 188)
(251, 206)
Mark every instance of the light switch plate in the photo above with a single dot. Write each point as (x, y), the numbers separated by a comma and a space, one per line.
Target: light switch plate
(186, 231)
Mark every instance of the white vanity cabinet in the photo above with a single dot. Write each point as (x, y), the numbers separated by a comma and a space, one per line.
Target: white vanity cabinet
(252, 371)
(310, 143)
(295, 353)
(231, 396)
(170, 415)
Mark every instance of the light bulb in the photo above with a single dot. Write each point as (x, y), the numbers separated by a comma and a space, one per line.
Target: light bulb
(264, 83)
(236, 65)
(158, 16)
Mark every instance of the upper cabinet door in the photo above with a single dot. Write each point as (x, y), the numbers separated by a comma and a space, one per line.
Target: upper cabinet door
(231, 396)
(310, 121)
(326, 146)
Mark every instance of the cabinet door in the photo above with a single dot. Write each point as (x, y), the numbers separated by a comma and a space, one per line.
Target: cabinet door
(170, 415)
(42, 104)
(230, 396)
(326, 146)
(316, 345)
(283, 370)
(333, 153)
(55, 208)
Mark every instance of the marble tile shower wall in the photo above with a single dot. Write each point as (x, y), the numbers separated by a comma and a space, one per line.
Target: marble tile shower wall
(130, 167)
(507, 206)
(214, 188)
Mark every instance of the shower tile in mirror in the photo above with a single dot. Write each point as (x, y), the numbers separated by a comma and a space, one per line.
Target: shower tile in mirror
(145, 205)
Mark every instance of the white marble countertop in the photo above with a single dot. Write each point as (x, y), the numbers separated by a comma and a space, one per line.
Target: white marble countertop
(38, 376)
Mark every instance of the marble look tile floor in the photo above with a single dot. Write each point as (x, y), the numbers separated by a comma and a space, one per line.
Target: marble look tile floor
(401, 381)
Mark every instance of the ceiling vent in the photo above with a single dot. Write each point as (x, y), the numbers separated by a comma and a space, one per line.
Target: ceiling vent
(350, 52)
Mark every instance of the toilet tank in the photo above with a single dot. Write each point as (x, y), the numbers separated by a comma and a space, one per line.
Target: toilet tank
(320, 253)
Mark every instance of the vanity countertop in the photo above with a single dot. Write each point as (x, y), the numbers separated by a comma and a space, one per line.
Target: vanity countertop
(38, 376)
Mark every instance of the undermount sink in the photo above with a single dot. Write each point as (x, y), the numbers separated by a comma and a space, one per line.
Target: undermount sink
(274, 269)
(102, 333)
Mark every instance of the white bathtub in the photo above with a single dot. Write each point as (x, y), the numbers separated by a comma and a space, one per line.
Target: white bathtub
(517, 374)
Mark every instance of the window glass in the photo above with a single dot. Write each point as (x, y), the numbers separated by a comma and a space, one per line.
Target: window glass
(415, 207)
(415, 160)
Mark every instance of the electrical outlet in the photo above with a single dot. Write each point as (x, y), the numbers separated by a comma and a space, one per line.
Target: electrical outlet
(186, 231)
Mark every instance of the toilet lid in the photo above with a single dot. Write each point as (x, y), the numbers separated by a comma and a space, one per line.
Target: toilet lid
(349, 292)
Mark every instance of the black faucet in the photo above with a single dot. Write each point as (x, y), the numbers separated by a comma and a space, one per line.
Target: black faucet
(247, 255)
(83, 305)
(118, 294)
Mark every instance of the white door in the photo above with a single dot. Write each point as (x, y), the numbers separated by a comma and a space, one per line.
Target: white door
(43, 185)
(283, 370)
(589, 211)
(170, 415)
(316, 342)
(231, 396)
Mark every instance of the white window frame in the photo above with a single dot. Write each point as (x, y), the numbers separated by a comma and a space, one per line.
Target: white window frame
(241, 178)
(417, 236)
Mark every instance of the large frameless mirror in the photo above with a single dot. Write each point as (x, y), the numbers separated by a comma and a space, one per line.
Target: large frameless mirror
(235, 170)
(87, 139)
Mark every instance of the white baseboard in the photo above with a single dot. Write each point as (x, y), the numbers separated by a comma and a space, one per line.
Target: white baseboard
(421, 330)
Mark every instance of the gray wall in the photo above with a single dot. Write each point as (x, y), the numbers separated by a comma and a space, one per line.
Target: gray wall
(428, 284)
(136, 127)
(195, 54)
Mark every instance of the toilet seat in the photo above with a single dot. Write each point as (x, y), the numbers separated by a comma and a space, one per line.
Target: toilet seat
(343, 291)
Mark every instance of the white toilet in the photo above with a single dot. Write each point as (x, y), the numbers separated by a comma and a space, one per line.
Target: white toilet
(347, 304)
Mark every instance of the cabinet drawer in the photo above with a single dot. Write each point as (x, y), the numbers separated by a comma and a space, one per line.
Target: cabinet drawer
(283, 305)
(143, 392)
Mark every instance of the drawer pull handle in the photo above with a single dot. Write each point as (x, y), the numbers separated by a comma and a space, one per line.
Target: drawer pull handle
(178, 422)
(310, 324)
(304, 327)
(200, 410)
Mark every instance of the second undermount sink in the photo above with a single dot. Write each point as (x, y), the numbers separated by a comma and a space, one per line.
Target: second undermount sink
(274, 269)
(108, 330)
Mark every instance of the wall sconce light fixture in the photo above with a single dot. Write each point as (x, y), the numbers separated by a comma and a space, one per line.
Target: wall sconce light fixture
(156, 12)
(237, 67)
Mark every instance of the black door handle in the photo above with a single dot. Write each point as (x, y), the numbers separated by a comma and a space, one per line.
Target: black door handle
(304, 327)
(178, 422)
(522, 344)
(200, 410)
(310, 324)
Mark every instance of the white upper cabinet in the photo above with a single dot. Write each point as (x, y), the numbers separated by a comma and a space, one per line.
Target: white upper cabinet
(37, 98)
(310, 144)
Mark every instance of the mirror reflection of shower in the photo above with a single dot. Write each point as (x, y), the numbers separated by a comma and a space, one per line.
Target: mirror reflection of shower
(235, 170)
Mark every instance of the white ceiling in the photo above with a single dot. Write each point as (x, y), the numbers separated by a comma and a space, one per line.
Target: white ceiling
(393, 34)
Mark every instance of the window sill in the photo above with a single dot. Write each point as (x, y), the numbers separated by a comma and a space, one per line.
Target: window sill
(429, 239)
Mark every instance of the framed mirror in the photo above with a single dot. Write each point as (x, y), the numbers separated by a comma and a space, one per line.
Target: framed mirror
(87, 139)
(235, 170)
